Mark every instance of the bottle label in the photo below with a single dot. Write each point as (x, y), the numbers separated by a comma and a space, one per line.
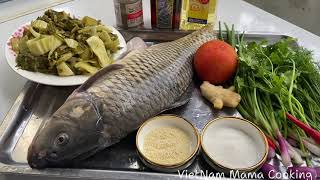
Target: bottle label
(198, 11)
(164, 13)
(134, 14)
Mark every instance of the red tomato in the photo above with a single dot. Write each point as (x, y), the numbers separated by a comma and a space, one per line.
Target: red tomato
(216, 62)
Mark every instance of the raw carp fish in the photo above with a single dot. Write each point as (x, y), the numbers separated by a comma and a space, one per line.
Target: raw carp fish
(117, 100)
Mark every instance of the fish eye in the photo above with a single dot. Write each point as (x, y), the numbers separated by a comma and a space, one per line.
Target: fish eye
(62, 139)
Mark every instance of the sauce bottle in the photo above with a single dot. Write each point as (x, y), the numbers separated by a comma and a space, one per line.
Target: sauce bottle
(129, 13)
(165, 14)
(197, 13)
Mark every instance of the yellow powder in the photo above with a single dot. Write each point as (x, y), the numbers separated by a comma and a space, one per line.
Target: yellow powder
(167, 145)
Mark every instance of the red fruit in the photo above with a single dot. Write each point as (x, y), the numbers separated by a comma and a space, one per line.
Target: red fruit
(215, 61)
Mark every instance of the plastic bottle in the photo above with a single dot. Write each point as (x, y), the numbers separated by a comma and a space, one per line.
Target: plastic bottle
(197, 13)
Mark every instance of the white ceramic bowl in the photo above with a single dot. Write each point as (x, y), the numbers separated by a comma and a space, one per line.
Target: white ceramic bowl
(50, 79)
(231, 143)
(168, 121)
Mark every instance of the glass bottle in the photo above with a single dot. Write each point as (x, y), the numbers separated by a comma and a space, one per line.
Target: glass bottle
(165, 14)
(129, 13)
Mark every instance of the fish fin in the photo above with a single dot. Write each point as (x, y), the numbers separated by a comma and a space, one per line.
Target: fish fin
(135, 45)
(183, 99)
(99, 74)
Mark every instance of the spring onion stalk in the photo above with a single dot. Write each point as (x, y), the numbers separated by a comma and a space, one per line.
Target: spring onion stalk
(286, 160)
(292, 142)
(302, 147)
(291, 86)
(271, 153)
(295, 156)
(220, 31)
(310, 140)
(302, 154)
(314, 149)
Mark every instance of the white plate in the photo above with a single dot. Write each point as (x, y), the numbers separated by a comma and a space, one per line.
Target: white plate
(49, 79)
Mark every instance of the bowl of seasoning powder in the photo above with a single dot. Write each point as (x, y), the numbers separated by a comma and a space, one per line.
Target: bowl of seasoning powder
(167, 143)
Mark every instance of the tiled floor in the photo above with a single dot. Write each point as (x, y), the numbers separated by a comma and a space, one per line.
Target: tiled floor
(303, 13)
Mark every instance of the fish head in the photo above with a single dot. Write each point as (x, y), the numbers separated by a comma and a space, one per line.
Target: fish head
(71, 132)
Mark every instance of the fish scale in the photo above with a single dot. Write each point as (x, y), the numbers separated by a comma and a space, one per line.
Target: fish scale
(119, 98)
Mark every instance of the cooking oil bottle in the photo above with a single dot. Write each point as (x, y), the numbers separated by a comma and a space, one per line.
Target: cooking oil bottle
(197, 13)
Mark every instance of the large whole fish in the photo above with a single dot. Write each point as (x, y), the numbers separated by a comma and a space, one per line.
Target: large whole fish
(117, 100)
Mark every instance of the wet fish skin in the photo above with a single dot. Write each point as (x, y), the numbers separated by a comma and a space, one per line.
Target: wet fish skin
(77, 118)
(117, 100)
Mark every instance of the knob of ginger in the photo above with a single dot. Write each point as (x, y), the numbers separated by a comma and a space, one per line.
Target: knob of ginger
(219, 96)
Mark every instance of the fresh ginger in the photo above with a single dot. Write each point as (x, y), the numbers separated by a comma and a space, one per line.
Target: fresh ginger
(219, 96)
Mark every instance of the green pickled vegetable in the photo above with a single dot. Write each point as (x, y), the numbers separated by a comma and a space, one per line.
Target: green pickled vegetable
(64, 70)
(89, 21)
(86, 53)
(86, 67)
(57, 43)
(97, 46)
(42, 45)
(32, 63)
(39, 24)
(15, 44)
(71, 43)
(89, 30)
(22, 47)
(103, 28)
(33, 32)
(64, 57)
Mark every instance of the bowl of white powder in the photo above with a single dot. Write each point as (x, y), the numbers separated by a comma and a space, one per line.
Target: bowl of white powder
(167, 143)
(233, 144)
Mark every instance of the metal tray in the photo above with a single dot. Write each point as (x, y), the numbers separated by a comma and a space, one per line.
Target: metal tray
(36, 102)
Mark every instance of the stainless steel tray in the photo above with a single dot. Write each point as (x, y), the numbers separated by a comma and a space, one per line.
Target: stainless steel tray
(36, 102)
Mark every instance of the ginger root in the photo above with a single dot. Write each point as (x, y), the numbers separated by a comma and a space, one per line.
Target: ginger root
(219, 96)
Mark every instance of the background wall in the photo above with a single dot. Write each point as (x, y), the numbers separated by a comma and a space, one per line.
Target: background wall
(303, 13)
